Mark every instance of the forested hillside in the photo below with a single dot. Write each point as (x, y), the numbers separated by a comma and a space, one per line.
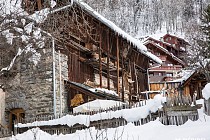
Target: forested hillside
(144, 17)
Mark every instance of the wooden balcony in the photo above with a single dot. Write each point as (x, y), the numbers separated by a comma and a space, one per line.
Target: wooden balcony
(167, 68)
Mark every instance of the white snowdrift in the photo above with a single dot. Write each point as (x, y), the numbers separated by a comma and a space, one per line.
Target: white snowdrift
(154, 130)
(206, 91)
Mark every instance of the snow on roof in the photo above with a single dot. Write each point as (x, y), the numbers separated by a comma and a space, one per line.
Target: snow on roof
(152, 105)
(13, 61)
(137, 43)
(184, 75)
(96, 105)
(111, 92)
(166, 51)
(206, 91)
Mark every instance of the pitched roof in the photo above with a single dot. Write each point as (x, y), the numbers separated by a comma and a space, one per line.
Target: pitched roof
(166, 51)
(136, 43)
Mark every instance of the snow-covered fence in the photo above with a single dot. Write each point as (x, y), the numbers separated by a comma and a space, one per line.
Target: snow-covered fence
(178, 100)
(100, 124)
(51, 116)
(178, 119)
(178, 110)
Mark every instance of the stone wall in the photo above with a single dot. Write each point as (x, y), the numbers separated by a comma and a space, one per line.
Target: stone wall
(31, 88)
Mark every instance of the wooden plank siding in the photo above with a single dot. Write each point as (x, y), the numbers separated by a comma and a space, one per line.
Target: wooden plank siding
(93, 48)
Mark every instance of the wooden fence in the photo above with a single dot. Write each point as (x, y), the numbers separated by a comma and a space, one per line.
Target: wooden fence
(101, 124)
(51, 116)
(176, 111)
(178, 119)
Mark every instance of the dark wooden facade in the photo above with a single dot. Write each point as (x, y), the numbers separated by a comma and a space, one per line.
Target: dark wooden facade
(98, 56)
(194, 84)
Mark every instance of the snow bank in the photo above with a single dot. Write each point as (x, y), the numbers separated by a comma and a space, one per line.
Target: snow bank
(33, 134)
(206, 91)
(130, 115)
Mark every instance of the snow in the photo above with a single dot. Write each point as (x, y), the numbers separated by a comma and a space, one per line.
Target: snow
(154, 130)
(96, 105)
(184, 75)
(206, 91)
(13, 61)
(11, 7)
(152, 105)
(29, 27)
(9, 36)
(103, 90)
(40, 16)
(52, 3)
(35, 57)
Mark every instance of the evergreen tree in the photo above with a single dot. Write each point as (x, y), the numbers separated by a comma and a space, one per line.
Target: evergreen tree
(206, 26)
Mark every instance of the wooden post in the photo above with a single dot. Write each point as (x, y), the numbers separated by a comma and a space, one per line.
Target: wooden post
(39, 3)
(136, 78)
(123, 79)
(100, 63)
(108, 59)
(118, 88)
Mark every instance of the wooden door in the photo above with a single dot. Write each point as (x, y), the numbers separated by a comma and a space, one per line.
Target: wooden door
(16, 115)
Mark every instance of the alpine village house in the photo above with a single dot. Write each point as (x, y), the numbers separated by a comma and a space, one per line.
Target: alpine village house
(84, 57)
(172, 51)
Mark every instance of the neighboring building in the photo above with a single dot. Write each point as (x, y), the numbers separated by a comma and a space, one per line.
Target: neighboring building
(171, 50)
(192, 83)
(93, 59)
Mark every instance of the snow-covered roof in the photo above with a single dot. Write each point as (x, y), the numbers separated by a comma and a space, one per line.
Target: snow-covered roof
(103, 90)
(184, 75)
(96, 105)
(166, 51)
(135, 42)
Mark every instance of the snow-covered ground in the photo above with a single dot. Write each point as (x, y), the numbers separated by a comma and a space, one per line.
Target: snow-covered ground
(154, 130)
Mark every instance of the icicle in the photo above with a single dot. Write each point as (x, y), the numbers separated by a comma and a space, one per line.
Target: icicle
(72, 1)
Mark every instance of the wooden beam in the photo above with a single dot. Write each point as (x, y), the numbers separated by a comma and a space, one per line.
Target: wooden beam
(123, 92)
(100, 63)
(118, 74)
(39, 3)
(108, 59)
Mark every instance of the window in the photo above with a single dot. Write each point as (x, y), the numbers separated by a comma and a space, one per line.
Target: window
(169, 75)
(158, 54)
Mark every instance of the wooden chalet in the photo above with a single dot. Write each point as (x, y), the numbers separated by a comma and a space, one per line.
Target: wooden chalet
(100, 55)
(171, 50)
(194, 84)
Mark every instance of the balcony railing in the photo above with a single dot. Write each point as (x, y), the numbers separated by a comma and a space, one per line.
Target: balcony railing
(165, 67)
